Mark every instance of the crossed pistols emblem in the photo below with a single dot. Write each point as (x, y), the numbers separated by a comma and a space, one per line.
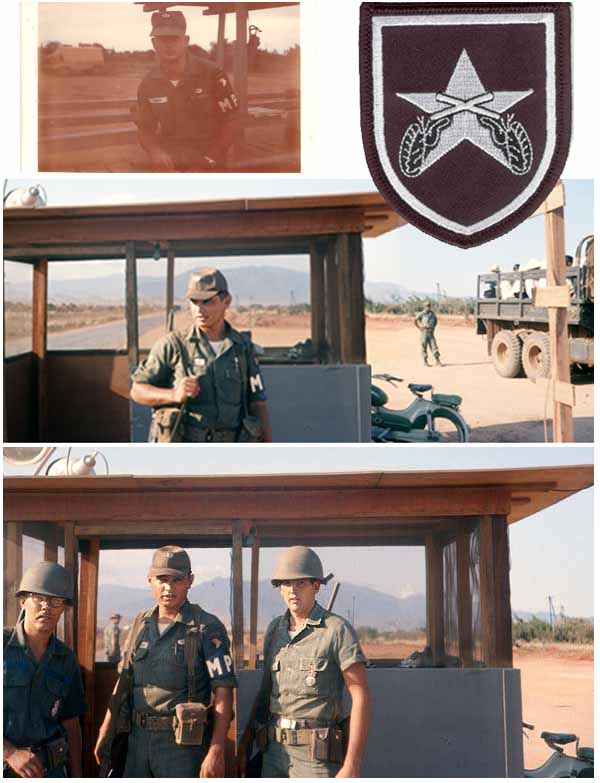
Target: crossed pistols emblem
(465, 112)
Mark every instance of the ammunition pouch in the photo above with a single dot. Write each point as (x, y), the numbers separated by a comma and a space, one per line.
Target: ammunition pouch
(250, 431)
(189, 723)
(57, 753)
(167, 424)
(327, 745)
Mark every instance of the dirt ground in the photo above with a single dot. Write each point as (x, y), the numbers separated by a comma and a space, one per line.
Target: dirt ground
(498, 410)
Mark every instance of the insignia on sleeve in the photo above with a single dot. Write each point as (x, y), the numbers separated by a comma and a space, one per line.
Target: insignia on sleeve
(216, 642)
(465, 111)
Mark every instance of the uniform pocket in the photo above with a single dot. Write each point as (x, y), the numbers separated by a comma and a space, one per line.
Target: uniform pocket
(314, 679)
(56, 687)
(313, 664)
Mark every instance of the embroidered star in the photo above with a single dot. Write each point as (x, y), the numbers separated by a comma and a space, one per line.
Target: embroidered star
(464, 99)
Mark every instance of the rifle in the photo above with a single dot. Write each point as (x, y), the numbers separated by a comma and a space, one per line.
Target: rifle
(116, 737)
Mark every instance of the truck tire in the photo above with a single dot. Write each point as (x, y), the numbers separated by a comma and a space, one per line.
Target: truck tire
(536, 355)
(506, 354)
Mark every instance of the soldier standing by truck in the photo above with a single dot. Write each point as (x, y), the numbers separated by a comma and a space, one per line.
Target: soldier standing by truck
(112, 639)
(426, 321)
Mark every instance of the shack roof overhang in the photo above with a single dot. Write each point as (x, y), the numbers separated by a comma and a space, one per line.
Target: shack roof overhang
(230, 227)
(381, 508)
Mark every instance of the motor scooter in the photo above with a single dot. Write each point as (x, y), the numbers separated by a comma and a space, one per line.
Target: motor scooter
(433, 420)
(560, 764)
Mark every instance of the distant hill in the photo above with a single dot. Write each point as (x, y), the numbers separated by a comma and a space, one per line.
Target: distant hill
(252, 284)
(371, 607)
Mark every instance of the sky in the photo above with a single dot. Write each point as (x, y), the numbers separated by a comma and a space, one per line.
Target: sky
(551, 551)
(125, 26)
(398, 256)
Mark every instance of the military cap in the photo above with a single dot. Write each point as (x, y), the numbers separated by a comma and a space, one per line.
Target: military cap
(115, 616)
(298, 562)
(47, 578)
(206, 283)
(170, 561)
(168, 23)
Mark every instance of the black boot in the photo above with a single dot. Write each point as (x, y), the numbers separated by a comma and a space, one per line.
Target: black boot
(437, 361)
(425, 362)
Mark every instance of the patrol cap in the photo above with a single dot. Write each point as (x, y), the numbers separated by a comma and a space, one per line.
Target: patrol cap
(206, 283)
(115, 616)
(168, 23)
(298, 562)
(49, 579)
(170, 561)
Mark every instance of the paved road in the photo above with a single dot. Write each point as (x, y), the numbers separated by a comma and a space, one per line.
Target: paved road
(110, 335)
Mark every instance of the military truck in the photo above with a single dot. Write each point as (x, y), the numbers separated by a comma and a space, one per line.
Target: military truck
(517, 332)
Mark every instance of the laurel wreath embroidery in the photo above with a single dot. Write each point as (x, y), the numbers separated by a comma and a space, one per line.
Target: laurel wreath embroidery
(420, 138)
(509, 136)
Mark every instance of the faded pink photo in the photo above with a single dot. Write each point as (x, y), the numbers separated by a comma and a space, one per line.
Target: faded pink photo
(169, 87)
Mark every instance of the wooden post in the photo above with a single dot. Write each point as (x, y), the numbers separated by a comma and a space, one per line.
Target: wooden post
(86, 643)
(344, 297)
(40, 343)
(72, 565)
(13, 570)
(317, 300)
(357, 299)
(131, 306)
(464, 599)
(254, 601)
(332, 312)
(220, 51)
(170, 284)
(237, 620)
(494, 590)
(554, 221)
(434, 564)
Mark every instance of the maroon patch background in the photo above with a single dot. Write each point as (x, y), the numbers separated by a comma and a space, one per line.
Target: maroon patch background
(512, 58)
(506, 58)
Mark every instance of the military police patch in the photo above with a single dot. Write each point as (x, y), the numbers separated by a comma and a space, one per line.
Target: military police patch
(465, 111)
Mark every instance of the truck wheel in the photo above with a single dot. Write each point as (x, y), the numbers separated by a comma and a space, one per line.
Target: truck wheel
(506, 354)
(536, 355)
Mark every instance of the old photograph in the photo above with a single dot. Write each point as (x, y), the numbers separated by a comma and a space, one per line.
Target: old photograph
(164, 87)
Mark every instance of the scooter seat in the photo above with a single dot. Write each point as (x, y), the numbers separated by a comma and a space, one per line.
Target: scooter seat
(447, 399)
(558, 737)
(419, 388)
(585, 754)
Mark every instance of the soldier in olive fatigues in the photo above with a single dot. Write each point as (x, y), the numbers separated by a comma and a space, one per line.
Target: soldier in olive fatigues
(426, 321)
(310, 655)
(161, 681)
(112, 639)
(187, 109)
(211, 369)
(43, 690)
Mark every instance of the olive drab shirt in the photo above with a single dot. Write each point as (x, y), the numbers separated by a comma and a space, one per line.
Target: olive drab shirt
(426, 320)
(39, 696)
(306, 670)
(160, 675)
(112, 646)
(190, 113)
(220, 404)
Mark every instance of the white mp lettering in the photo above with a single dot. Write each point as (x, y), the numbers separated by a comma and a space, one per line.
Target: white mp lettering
(256, 383)
(214, 666)
(228, 662)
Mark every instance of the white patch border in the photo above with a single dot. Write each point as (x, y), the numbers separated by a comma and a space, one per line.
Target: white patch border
(378, 23)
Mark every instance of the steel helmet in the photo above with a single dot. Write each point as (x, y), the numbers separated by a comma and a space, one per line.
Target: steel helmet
(298, 562)
(47, 578)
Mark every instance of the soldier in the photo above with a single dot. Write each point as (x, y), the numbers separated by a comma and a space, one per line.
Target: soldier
(112, 639)
(187, 110)
(43, 691)
(426, 321)
(211, 370)
(178, 655)
(310, 654)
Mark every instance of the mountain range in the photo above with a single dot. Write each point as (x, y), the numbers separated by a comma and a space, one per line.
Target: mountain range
(251, 284)
(362, 604)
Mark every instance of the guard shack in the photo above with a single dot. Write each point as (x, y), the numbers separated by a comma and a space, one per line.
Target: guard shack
(460, 717)
(328, 389)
